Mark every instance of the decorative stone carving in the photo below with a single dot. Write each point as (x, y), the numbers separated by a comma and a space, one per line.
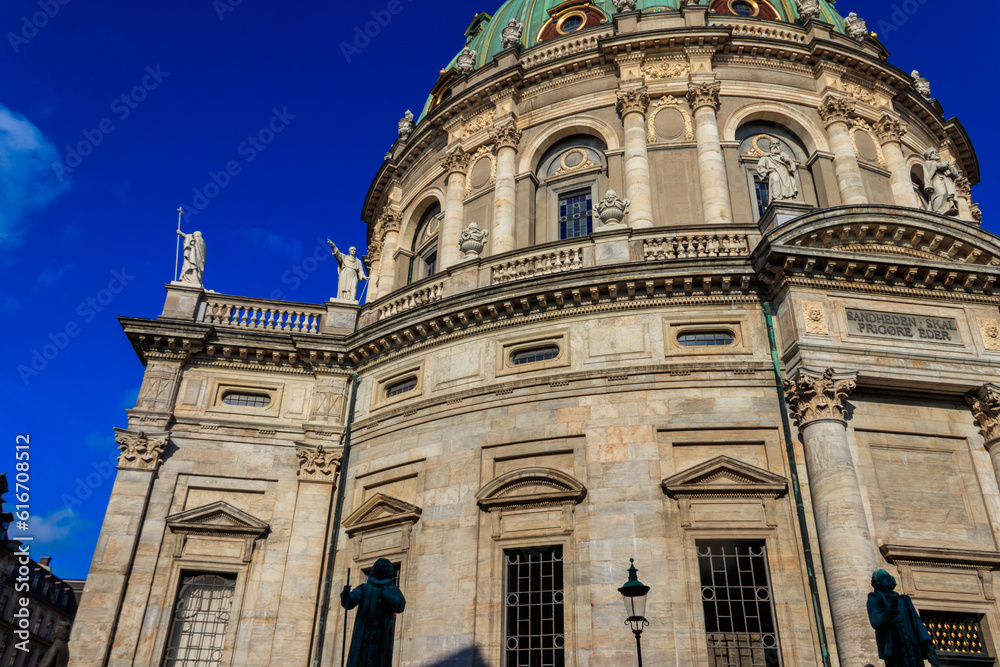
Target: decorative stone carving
(814, 395)
(977, 214)
(922, 85)
(483, 152)
(565, 167)
(989, 329)
(633, 100)
(939, 183)
(193, 268)
(380, 512)
(625, 5)
(835, 110)
(466, 61)
(511, 35)
(809, 10)
(612, 209)
(985, 403)
(455, 161)
(480, 120)
(507, 136)
(350, 271)
(472, 240)
(815, 317)
(389, 221)
(138, 450)
(669, 102)
(666, 69)
(779, 170)
(857, 27)
(890, 129)
(861, 94)
(215, 521)
(406, 126)
(704, 95)
(861, 125)
(318, 465)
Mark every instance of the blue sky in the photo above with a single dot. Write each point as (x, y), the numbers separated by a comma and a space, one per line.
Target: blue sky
(165, 96)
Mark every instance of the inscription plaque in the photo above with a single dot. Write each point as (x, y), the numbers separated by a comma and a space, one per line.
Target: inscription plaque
(902, 327)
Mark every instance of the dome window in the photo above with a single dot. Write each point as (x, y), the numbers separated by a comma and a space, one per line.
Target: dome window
(748, 8)
(569, 17)
(534, 355)
(246, 399)
(401, 387)
(571, 22)
(706, 339)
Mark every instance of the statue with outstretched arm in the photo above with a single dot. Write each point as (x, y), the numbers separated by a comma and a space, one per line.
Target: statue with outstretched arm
(193, 269)
(350, 271)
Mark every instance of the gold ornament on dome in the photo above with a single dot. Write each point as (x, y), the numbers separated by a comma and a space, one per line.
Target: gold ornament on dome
(565, 167)
(755, 149)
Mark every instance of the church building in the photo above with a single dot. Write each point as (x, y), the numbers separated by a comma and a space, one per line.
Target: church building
(698, 284)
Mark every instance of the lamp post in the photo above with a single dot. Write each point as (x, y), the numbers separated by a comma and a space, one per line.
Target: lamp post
(634, 594)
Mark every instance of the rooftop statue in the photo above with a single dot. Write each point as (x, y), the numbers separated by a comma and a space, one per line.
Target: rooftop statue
(625, 5)
(922, 85)
(350, 271)
(511, 35)
(406, 125)
(378, 601)
(466, 61)
(857, 27)
(902, 639)
(808, 9)
(779, 170)
(193, 269)
(939, 183)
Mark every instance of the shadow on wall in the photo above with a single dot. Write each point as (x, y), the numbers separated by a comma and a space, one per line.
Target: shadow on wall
(467, 657)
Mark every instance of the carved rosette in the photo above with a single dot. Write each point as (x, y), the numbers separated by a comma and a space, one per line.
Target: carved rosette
(704, 95)
(814, 395)
(633, 100)
(318, 465)
(835, 110)
(890, 130)
(985, 403)
(139, 451)
(457, 161)
(507, 136)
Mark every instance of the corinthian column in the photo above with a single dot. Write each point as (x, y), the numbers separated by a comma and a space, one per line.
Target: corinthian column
(835, 113)
(632, 105)
(890, 133)
(817, 400)
(704, 99)
(455, 164)
(985, 403)
(387, 233)
(506, 139)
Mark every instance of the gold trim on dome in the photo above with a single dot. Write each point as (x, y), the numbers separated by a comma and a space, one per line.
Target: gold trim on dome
(567, 16)
(752, 3)
(755, 148)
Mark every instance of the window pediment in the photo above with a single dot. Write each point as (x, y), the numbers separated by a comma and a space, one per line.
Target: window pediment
(381, 511)
(218, 519)
(531, 487)
(725, 476)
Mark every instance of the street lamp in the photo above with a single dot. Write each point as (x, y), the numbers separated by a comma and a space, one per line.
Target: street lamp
(634, 594)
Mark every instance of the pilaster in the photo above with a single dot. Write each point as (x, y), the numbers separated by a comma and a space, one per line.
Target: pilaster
(985, 404)
(890, 131)
(704, 100)
(632, 105)
(455, 163)
(506, 138)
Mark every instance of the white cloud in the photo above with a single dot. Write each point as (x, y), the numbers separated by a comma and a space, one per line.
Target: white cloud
(50, 529)
(27, 180)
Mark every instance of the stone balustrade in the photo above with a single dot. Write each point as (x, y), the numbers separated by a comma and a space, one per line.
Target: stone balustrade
(418, 297)
(690, 246)
(557, 261)
(262, 316)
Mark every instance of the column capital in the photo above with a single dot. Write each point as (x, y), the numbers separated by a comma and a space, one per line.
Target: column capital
(140, 451)
(890, 129)
(814, 395)
(632, 100)
(389, 221)
(834, 109)
(506, 136)
(985, 403)
(318, 465)
(704, 95)
(456, 160)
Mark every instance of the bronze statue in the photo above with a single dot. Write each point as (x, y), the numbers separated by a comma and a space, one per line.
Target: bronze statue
(902, 639)
(378, 602)
(58, 653)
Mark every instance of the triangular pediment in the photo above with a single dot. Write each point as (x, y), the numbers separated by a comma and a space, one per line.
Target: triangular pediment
(381, 511)
(216, 518)
(724, 475)
(531, 486)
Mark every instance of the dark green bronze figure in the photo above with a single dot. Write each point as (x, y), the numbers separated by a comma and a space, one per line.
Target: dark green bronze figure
(378, 602)
(902, 639)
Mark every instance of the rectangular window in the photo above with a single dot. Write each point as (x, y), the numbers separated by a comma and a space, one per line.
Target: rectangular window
(576, 216)
(534, 635)
(739, 610)
(200, 619)
(763, 190)
(958, 638)
(430, 261)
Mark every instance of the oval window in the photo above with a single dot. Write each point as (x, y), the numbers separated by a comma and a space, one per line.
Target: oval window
(401, 387)
(706, 339)
(534, 355)
(246, 400)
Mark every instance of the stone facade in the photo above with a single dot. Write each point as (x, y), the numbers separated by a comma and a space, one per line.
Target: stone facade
(602, 395)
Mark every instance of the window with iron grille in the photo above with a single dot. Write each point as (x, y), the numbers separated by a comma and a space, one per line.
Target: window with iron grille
(535, 355)
(200, 620)
(395, 389)
(576, 217)
(395, 574)
(957, 637)
(706, 338)
(534, 635)
(246, 400)
(739, 610)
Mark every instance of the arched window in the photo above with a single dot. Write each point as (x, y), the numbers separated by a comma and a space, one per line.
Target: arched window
(756, 140)
(572, 176)
(425, 245)
(749, 8)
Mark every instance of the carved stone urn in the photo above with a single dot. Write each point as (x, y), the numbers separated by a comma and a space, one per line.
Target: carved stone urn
(472, 241)
(612, 209)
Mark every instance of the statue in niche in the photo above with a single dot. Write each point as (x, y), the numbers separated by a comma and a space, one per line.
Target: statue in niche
(193, 268)
(378, 601)
(939, 183)
(58, 653)
(922, 85)
(511, 35)
(902, 639)
(350, 271)
(779, 170)
(406, 125)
